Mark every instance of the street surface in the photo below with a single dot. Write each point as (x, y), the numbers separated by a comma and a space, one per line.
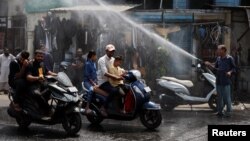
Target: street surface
(182, 124)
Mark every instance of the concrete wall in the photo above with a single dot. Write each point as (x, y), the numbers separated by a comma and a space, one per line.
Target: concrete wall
(239, 26)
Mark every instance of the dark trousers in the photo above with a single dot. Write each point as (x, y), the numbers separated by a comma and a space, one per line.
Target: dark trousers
(42, 100)
(90, 88)
(107, 87)
(224, 98)
(20, 85)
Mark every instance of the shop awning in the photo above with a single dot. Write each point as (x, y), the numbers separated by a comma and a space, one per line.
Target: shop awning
(116, 8)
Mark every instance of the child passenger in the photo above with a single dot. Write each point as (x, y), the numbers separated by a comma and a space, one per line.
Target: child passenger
(115, 69)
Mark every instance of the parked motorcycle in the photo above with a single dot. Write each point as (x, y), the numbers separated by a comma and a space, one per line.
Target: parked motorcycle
(136, 104)
(179, 94)
(65, 104)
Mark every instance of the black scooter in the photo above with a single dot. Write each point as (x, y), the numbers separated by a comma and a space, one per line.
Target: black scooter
(64, 100)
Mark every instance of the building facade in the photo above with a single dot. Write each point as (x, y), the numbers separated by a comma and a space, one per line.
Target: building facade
(202, 25)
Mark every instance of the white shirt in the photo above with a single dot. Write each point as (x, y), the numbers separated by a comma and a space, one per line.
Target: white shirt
(4, 66)
(103, 64)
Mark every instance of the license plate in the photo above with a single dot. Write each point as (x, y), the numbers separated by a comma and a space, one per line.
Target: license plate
(73, 89)
(147, 89)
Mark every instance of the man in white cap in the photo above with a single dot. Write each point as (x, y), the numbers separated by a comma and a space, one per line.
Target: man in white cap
(102, 74)
(103, 64)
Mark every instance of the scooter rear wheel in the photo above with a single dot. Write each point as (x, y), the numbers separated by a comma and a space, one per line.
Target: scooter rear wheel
(151, 118)
(95, 118)
(23, 122)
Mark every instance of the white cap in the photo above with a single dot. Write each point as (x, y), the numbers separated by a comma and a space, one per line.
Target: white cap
(110, 47)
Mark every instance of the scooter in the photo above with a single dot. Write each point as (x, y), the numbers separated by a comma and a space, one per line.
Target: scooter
(179, 94)
(136, 104)
(65, 102)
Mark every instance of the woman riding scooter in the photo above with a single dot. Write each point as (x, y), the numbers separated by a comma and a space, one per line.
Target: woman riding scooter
(90, 81)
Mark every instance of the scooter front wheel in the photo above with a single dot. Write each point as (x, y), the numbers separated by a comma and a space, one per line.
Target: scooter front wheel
(151, 118)
(72, 123)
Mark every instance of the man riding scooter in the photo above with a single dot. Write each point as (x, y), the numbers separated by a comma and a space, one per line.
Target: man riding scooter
(103, 75)
(64, 99)
(35, 77)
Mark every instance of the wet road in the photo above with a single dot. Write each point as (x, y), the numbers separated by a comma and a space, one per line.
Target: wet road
(178, 125)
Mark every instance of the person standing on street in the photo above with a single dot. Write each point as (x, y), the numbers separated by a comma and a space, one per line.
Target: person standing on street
(224, 67)
(48, 58)
(5, 60)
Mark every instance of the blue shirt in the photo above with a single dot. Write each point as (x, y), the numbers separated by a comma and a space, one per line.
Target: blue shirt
(224, 65)
(90, 72)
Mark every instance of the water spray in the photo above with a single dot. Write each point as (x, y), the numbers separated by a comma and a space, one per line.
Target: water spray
(155, 36)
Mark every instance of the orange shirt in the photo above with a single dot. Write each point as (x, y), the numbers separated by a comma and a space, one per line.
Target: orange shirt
(118, 71)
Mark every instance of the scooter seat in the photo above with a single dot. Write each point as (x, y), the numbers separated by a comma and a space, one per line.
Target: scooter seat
(186, 83)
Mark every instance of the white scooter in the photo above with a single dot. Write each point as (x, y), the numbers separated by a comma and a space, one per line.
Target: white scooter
(180, 95)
